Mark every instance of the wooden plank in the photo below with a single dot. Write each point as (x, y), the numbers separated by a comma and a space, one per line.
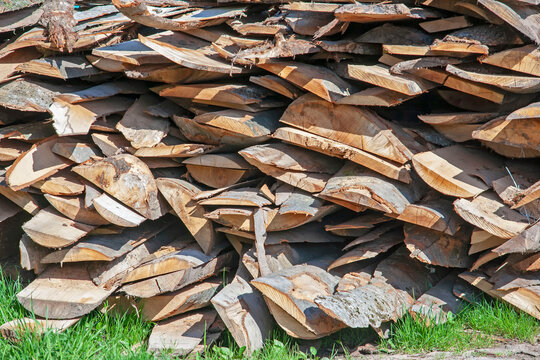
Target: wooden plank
(116, 212)
(74, 208)
(244, 313)
(333, 148)
(116, 175)
(130, 52)
(180, 335)
(379, 75)
(193, 297)
(446, 24)
(456, 118)
(524, 59)
(368, 132)
(435, 248)
(447, 171)
(375, 96)
(244, 123)
(367, 13)
(520, 18)
(62, 293)
(104, 90)
(218, 170)
(292, 165)
(31, 255)
(356, 186)
(50, 229)
(520, 134)
(488, 213)
(370, 249)
(61, 67)
(238, 197)
(76, 119)
(16, 329)
(439, 303)
(178, 279)
(318, 80)
(140, 128)
(432, 212)
(511, 83)
(37, 163)
(288, 290)
(110, 274)
(190, 52)
(277, 85)
(106, 247)
(179, 194)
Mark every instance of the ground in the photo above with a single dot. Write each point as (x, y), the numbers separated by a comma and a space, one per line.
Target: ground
(486, 330)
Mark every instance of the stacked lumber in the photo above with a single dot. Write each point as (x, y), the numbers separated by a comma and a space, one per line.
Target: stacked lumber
(237, 164)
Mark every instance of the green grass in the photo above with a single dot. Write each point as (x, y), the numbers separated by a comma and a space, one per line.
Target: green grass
(110, 336)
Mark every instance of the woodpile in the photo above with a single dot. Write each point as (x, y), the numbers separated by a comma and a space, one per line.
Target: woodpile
(236, 164)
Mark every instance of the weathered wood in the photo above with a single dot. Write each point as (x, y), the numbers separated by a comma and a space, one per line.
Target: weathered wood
(489, 214)
(292, 165)
(436, 248)
(526, 242)
(294, 290)
(179, 194)
(367, 13)
(357, 186)
(75, 209)
(141, 129)
(507, 82)
(357, 226)
(437, 304)
(190, 52)
(452, 170)
(278, 85)
(524, 59)
(103, 91)
(238, 197)
(78, 152)
(368, 132)
(76, 119)
(244, 313)
(370, 249)
(193, 297)
(456, 118)
(388, 295)
(31, 255)
(14, 330)
(37, 163)
(130, 52)
(110, 274)
(337, 149)
(62, 67)
(446, 24)
(178, 279)
(128, 179)
(180, 335)
(50, 229)
(186, 257)
(522, 298)
(115, 212)
(218, 170)
(432, 212)
(318, 80)
(519, 134)
(379, 75)
(62, 293)
(105, 247)
(482, 240)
